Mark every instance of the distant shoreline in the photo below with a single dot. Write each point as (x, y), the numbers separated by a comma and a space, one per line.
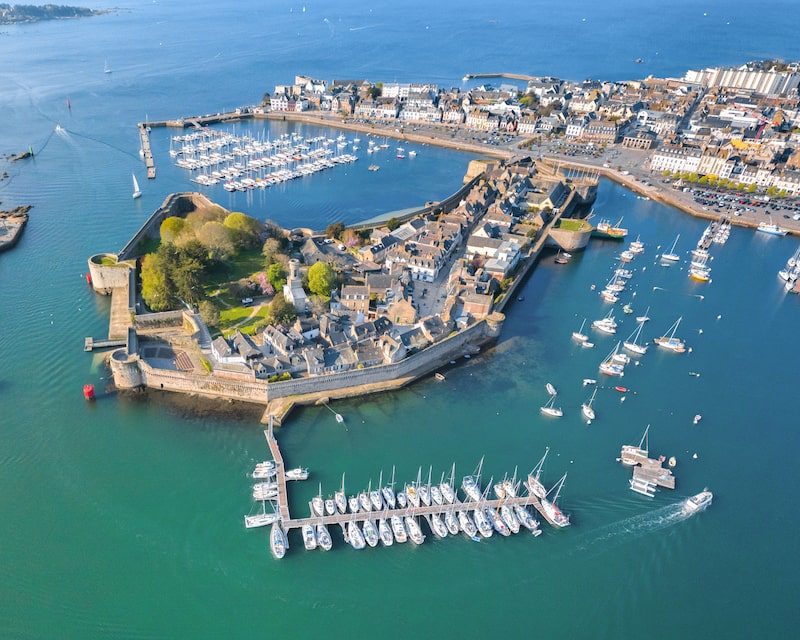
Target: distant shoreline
(15, 14)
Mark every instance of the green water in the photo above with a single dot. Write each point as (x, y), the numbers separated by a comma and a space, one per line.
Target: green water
(123, 518)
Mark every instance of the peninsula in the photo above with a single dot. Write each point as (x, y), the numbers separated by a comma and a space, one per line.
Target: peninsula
(27, 13)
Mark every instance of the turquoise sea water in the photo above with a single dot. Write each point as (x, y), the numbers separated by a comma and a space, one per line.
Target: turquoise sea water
(123, 518)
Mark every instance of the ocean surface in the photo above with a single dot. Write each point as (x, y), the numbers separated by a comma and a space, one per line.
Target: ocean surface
(123, 518)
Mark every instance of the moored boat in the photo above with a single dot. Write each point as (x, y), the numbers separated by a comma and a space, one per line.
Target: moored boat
(670, 342)
(277, 541)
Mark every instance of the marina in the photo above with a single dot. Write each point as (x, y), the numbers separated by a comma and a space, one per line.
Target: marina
(436, 504)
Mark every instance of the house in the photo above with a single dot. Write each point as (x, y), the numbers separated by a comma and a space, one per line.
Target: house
(401, 311)
(435, 329)
(307, 326)
(392, 348)
(555, 196)
(477, 304)
(293, 289)
(315, 360)
(278, 341)
(355, 298)
(245, 347)
(223, 353)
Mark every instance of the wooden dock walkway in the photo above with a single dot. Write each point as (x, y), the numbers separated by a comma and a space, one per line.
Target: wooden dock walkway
(287, 522)
(144, 140)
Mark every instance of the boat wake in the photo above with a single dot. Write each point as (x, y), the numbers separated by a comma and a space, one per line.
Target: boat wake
(600, 540)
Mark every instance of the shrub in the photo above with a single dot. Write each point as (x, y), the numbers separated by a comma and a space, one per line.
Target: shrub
(334, 229)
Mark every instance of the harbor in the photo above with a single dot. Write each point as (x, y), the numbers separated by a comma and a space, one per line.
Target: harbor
(438, 504)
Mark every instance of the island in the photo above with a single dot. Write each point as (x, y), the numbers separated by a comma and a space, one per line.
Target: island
(26, 13)
(216, 303)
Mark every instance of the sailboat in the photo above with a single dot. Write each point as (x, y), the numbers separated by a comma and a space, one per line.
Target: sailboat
(586, 407)
(388, 493)
(671, 342)
(549, 410)
(535, 485)
(607, 324)
(137, 192)
(106, 67)
(339, 499)
(671, 256)
(632, 343)
(612, 365)
(645, 317)
(631, 455)
(471, 484)
(579, 335)
(550, 507)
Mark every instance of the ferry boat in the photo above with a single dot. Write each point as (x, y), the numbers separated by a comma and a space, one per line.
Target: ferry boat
(549, 409)
(550, 507)
(670, 342)
(697, 503)
(771, 229)
(606, 230)
(309, 537)
(277, 541)
(631, 455)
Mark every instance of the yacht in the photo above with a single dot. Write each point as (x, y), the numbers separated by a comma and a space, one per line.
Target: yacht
(586, 407)
(526, 519)
(670, 342)
(414, 532)
(352, 502)
(137, 192)
(370, 533)
(579, 335)
(507, 514)
(297, 474)
(549, 409)
(354, 536)
(437, 526)
(277, 541)
(363, 502)
(631, 455)
(771, 229)
(398, 529)
(550, 507)
(671, 256)
(451, 522)
(385, 533)
(309, 537)
(260, 520)
(483, 525)
(535, 485)
(632, 343)
(497, 522)
(330, 507)
(698, 502)
(324, 538)
(467, 525)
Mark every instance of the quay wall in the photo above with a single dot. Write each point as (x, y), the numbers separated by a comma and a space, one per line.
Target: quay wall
(175, 204)
(568, 240)
(106, 278)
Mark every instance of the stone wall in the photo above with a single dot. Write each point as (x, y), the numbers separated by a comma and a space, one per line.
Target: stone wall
(106, 278)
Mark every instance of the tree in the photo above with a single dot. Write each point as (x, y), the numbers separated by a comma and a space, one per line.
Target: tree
(321, 279)
(351, 238)
(281, 311)
(209, 313)
(156, 287)
(186, 275)
(171, 228)
(270, 250)
(751, 188)
(244, 230)
(276, 275)
(334, 229)
(216, 239)
(392, 224)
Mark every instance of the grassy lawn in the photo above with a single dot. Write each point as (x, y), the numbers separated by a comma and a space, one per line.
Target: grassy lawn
(242, 265)
(572, 225)
(229, 318)
(233, 315)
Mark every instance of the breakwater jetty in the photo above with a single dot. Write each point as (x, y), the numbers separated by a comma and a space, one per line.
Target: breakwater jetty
(502, 74)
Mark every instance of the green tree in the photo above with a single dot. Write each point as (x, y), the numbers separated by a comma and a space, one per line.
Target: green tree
(751, 188)
(156, 287)
(187, 278)
(209, 313)
(276, 275)
(281, 311)
(244, 230)
(216, 238)
(334, 229)
(321, 279)
(392, 224)
(171, 228)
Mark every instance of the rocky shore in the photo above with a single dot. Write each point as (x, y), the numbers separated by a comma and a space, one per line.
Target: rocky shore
(11, 225)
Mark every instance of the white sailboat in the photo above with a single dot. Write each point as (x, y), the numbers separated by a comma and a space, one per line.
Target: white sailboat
(631, 455)
(612, 366)
(670, 342)
(586, 407)
(137, 192)
(579, 335)
(535, 485)
(549, 409)
(106, 67)
(645, 317)
(632, 343)
(339, 499)
(672, 256)
(550, 507)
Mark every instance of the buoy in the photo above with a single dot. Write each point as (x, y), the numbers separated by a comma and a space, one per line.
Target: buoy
(88, 391)
(672, 461)
(694, 456)
(622, 399)
(88, 278)
(719, 317)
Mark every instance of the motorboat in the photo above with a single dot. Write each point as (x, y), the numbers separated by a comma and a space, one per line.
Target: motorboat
(771, 229)
(588, 381)
(277, 541)
(697, 503)
(324, 538)
(309, 537)
(550, 389)
(297, 474)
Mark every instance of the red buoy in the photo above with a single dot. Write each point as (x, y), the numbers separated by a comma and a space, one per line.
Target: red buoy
(88, 391)
(88, 278)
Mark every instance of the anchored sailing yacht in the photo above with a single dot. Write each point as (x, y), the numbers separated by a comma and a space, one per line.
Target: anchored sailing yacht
(398, 530)
(632, 343)
(631, 454)
(535, 486)
(471, 484)
(671, 342)
(549, 410)
(586, 407)
(671, 256)
(579, 335)
(551, 508)
(324, 538)
(611, 366)
(339, 499)
(309, 537)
